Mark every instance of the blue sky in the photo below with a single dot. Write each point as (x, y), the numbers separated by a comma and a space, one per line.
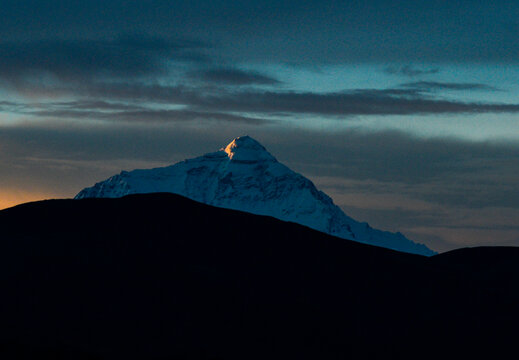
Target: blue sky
(405, 112)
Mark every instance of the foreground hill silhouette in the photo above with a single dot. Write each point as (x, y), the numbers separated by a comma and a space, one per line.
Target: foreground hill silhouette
(159, 276)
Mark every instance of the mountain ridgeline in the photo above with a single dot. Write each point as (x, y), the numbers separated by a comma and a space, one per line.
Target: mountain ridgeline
(245, 176)
(160, 276)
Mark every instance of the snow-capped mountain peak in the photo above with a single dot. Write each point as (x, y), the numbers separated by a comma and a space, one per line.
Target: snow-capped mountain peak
(245, 148)
(244, 176)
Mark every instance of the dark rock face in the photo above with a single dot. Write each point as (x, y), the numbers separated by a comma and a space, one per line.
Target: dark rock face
(159, 276)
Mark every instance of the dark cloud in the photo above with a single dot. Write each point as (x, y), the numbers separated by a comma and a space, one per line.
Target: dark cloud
(393, 156)
(410, 71)
(133, 91)
(123, 57)
(434, 85)
(89, 105)
(102, 110)
(230, 76)
(11, 106)
(165, 115)
(364, 102)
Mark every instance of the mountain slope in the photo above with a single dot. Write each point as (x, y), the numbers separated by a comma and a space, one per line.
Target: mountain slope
(159, 276)
(244, 176)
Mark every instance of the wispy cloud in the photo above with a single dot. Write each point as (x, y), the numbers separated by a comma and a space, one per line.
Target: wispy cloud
(232, 76)
(410, 70)
(436, 85)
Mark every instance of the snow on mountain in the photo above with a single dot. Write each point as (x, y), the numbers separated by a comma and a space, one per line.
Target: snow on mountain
(245, 176)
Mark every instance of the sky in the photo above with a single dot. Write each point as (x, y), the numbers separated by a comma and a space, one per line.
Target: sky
(405, 112)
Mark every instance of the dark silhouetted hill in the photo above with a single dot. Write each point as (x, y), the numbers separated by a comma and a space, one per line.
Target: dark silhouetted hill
(159, 276)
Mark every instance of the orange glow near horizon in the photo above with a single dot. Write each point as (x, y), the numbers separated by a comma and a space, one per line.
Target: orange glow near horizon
(15, 197)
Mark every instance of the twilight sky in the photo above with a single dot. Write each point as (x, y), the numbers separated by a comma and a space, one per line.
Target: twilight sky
(405, 112)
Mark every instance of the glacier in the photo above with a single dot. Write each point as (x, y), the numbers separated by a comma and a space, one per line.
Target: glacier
(245, 176)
